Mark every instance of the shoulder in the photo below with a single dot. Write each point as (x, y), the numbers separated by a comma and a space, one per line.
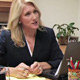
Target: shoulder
(5, 34)
(46, 33)
(46, 30)
(49, 31)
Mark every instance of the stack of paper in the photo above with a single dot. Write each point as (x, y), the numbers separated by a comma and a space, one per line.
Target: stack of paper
(30, 77)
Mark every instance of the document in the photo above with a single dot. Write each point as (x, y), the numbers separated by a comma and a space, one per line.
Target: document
(31, 77)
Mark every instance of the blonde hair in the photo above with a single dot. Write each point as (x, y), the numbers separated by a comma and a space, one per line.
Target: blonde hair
(13, 23)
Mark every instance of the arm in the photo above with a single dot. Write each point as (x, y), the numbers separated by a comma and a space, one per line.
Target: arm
(17, 71)
(45, 65)
(2, 48)
(20, 71)
(56, 53)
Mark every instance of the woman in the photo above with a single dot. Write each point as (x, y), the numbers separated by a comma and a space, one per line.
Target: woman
(27, 46)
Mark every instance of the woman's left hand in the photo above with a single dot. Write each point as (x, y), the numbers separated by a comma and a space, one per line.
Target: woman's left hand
(36, 68)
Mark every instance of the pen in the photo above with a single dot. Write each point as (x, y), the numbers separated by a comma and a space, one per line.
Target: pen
(79, 64)
(71, 62)
(77, 67)
(69, 66)
(76, 64)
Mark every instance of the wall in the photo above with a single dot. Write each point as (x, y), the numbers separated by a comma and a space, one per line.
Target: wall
(79, 21)
(59, 11)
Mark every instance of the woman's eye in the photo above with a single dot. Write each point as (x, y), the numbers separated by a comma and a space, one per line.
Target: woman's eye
(27, 14)
(35, 11)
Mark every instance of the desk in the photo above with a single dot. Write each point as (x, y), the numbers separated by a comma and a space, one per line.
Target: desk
(63, 48)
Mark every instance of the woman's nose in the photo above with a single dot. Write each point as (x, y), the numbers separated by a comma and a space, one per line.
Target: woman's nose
(33, 16)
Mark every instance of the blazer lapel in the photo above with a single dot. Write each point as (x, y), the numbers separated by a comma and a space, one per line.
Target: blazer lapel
(26, 47)
(38, 45)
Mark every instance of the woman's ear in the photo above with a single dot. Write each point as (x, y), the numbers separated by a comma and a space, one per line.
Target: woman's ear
(19, 22)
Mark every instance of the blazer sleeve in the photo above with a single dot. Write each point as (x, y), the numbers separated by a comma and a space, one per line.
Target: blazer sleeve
(56, 53)
(2, 47)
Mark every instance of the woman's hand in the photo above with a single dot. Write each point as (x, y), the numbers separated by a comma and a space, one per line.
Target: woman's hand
(20, 71)
(36, 68)
(23, 70)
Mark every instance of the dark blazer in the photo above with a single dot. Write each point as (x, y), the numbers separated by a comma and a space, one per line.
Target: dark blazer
(46, 49)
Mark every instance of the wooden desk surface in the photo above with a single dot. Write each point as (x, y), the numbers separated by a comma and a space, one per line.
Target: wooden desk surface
(63, 48)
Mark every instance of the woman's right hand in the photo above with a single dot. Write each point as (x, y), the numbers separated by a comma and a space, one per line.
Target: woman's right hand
(20, 71)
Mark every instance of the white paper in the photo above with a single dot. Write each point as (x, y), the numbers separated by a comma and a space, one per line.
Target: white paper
(31, 77)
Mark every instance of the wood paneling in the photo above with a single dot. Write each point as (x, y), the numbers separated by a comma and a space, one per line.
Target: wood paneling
(4, 16)
(4, 10)
(5, 6)
(6, 0)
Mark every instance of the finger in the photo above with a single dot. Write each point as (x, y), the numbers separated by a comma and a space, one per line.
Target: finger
(34, 65)
(26, 73)
(40, 71)
(37, 70)
(20, 76)
(22, 69)
(23, 65)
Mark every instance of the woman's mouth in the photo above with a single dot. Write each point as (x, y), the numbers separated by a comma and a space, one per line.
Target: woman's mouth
(35, 22)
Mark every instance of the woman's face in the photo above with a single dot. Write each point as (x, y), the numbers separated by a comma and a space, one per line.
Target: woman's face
(30, 17)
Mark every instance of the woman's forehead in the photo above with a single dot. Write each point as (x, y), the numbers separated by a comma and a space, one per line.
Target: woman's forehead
(28, 7)
(28, 3)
